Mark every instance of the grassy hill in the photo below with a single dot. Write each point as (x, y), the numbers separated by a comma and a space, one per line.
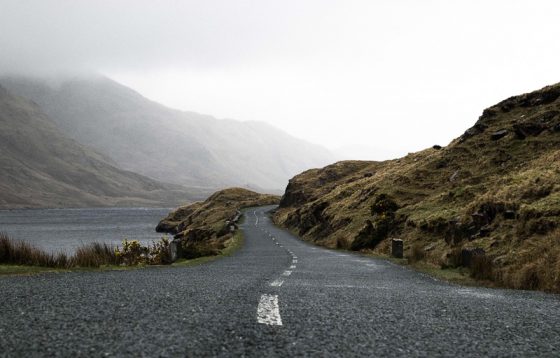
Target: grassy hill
(41, 167)
(489, 201)
(205, 228)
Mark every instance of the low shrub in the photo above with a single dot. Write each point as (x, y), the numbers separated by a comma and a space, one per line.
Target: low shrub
(417, 253)
(132, 253)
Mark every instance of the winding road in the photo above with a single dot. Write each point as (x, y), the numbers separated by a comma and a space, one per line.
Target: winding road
(277, 296)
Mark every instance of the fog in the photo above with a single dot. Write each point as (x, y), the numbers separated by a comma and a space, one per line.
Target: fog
(376, 79)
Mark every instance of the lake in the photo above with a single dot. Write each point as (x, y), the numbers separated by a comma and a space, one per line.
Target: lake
(65, 229)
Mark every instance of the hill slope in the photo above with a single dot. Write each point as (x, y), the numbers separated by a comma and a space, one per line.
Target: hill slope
(169, 145)
(492, 194)
(40, 167)
(204, 228)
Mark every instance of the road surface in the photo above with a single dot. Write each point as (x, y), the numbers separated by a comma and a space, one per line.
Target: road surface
(277, 296)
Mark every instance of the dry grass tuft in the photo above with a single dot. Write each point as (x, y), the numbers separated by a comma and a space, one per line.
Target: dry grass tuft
(417, 253)
(94, 255)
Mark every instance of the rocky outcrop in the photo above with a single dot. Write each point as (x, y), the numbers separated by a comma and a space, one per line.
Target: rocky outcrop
(204, 228)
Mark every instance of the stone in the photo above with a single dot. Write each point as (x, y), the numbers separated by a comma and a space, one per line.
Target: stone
(437, 147)
(397, 248)
(454, 176)
(174, 248)
(499, 134)
(523, 130)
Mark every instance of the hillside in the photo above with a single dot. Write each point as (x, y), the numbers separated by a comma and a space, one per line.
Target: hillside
(489, 201)
(40, 167)
(169, 145)
(206, 227)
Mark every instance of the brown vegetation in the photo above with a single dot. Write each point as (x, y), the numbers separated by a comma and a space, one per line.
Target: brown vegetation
(495, 189)
(94, 255)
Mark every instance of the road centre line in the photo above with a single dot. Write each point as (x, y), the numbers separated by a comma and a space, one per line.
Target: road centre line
(268, 311)
(277, 283)
(286, 273)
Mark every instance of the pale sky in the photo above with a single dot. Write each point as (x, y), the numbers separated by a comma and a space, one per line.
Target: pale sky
(379, 78)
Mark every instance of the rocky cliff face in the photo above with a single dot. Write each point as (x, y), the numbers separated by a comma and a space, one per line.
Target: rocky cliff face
(495, 189)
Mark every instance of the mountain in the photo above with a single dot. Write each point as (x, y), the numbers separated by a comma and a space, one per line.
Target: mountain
(489, 202)
(169, 145)
(40, 167)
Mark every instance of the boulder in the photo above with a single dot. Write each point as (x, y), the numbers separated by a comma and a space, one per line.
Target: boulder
(437, 147)
(167, 227)
(499, 134)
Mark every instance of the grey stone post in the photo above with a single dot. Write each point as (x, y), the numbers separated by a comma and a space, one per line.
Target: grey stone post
(397, 248)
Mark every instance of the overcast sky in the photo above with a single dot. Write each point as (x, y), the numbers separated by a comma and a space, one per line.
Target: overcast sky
(380, 78)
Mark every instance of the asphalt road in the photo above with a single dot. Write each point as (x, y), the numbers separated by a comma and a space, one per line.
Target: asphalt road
(277, 296)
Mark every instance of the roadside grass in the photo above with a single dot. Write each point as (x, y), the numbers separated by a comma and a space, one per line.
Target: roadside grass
(22, 258)
(234, 244)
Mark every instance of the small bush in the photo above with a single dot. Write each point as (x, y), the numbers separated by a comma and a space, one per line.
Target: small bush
(132, 253)
(417, 253)
(343, 243)
(95, 255)
(481, 268)
(159, 253)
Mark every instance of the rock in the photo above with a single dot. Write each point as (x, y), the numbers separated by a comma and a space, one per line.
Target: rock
(499, 134)
(454, 176)
(367, 175)
(523, 130)
(430, 247)
(556, 128)
(509, 214)
(174, 248)
(474, 130)
(397, 248)
(437, 147)
(167, 227)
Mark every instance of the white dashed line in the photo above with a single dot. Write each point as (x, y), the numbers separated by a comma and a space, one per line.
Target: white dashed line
(277, 283)
(286, 273)
(293, 267)
(294, 261)
(268, 311)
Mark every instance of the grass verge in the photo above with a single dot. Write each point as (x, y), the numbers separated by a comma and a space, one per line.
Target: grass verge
(236, 242)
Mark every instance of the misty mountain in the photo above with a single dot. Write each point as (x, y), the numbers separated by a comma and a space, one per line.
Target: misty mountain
(169, 145)
(40, 167)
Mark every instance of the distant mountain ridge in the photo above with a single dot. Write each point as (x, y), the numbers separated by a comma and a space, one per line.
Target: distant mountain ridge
(40, 167)
(169, 145)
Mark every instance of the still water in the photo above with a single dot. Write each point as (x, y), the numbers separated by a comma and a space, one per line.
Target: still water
(65, 229)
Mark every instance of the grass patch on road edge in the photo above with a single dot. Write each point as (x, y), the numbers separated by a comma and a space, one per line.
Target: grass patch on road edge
(236, 242)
